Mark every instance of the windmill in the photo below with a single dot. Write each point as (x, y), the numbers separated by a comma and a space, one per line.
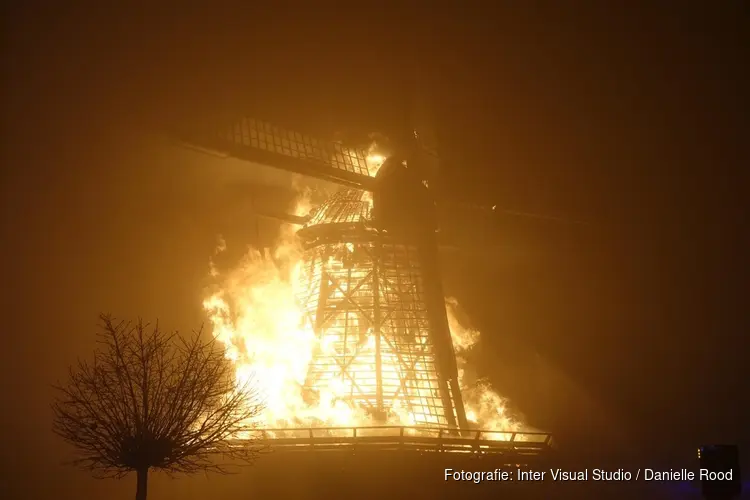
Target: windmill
(371, 286)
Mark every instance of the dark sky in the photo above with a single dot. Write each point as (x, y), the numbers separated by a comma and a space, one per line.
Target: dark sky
(633, 119)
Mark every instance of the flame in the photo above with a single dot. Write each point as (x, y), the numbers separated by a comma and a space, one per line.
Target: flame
(485, 408)
(256, 316)
(375, 157)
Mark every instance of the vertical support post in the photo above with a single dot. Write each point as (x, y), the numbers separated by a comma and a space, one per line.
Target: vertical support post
(475, 444)
(322, 303)
(376, 326)
(438, 317)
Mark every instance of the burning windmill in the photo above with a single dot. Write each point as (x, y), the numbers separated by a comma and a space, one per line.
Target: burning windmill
(373, 327)
(370, 296)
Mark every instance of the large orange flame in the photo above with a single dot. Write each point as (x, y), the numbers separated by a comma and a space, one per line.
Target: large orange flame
(255, 315)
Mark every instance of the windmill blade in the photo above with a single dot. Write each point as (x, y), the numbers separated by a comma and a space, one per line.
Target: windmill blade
(516, 237)
(472, 210)
(261, 142)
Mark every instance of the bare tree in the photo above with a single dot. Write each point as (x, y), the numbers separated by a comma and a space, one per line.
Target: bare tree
(152, 399)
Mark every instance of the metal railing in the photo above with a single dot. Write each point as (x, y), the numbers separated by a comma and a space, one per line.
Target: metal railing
(400, 438)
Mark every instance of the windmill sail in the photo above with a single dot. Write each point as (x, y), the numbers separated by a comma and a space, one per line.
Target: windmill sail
(262, 142)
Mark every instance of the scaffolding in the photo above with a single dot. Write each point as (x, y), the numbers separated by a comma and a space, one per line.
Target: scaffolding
(363, 296)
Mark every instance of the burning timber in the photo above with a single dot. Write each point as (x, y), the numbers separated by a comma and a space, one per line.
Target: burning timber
(363, 295)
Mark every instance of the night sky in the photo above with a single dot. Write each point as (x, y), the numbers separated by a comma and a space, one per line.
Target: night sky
(630, 328)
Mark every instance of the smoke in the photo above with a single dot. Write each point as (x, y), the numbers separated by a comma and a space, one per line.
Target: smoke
(485, 408)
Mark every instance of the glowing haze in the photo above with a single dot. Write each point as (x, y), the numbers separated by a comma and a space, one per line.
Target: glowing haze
(254, 313)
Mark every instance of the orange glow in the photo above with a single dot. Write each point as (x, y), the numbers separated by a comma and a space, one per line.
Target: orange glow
(375, 158)
(256, 314)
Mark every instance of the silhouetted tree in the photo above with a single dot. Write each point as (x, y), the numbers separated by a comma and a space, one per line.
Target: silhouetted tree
(152, 399)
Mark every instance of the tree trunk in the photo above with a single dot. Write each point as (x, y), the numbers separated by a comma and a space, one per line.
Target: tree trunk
(140, 493)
